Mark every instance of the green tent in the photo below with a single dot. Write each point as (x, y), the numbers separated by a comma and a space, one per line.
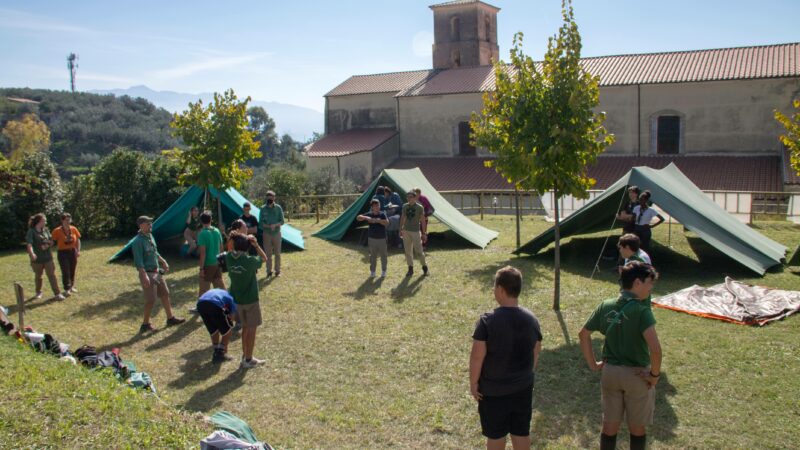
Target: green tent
(403, 181)
(171, 223)
(674, 193)
(795, 258)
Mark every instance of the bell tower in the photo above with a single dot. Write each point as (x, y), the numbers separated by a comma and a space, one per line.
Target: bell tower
(464, 34)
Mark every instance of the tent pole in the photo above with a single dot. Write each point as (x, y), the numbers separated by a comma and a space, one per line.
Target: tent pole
(605, 243)
(669, 232)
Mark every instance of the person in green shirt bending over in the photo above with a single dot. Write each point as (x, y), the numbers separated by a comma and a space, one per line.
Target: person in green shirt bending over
(242, 269)
(413, 226)
(631, 364)
(151, 267)
(209, 244)
(271, 219)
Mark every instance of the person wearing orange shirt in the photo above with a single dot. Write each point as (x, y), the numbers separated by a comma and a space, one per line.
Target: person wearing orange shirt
(68, 240)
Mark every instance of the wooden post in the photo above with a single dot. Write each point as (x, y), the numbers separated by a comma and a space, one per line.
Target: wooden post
(316, 199)
(516, 198)
(480, 203)
(20, 306)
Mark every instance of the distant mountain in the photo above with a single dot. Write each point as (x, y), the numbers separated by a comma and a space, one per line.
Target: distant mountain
(298, 122)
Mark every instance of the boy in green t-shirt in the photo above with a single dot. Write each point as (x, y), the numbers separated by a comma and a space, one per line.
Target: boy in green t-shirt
(209, 243)
(242, 269)
(631, 362)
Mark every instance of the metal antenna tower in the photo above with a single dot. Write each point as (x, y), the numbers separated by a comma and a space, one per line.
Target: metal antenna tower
(72, 64)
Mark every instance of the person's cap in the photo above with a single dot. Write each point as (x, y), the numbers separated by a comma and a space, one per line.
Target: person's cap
(411, 193)
(144, 219)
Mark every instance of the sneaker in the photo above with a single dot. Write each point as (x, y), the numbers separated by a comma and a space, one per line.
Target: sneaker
(277, 273)
(146, 327)
(410, 271)
(383, 274)
(59, 297)
(220, 356)
(372, 274)
(269, 274)
(72, 290)
(66, 293)
(38, 296)
(250, 364)
(193, 310)
(425, 270)
(174, 321)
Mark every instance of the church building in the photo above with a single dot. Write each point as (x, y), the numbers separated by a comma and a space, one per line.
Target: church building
(709, 111)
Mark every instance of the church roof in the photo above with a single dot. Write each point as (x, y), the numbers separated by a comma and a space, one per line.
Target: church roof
(737, 63)
(708, 172)
(350, 142)
(462, 2)
(380, 83)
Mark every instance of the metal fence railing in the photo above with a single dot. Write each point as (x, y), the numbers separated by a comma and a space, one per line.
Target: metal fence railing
(744, 205)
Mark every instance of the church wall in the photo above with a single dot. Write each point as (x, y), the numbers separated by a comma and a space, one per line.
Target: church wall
(733, 116)
(385, 154)
(357, 166)
(429, 124)
(360, 111)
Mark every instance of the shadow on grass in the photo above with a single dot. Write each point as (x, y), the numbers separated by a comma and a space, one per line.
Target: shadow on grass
(569, 399)
(406, 288)
(178, 333)
(367, 288)
(208, 399)
(529, 267)
(197, 366)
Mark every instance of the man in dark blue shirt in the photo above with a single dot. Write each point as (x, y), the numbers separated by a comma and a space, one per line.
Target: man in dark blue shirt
(376, 236)
(217, 307)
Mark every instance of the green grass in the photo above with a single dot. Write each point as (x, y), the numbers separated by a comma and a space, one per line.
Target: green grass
(352, 363)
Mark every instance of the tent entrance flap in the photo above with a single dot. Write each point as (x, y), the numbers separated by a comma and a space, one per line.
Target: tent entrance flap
(674, 193)
(404, 180)
(171, 223)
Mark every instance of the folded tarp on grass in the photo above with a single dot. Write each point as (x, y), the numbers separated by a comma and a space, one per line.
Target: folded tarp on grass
(171, 223)
(674, 193)
(734, 302)
(402, 181)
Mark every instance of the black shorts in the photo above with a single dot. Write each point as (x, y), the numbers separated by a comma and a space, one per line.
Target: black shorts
(214, 318)
(507, 414)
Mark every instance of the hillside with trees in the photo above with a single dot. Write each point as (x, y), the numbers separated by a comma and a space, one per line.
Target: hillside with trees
(85, 127)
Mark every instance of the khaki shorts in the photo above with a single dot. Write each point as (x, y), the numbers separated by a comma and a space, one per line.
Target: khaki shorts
(249, 315)
(625, 394)
(212, 273)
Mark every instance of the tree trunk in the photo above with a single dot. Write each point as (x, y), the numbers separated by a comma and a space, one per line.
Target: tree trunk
(219, 212)
(516, 198)
(557, 262)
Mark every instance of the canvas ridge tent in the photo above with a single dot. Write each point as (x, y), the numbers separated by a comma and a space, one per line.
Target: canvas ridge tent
(674, 193)
(403, 180)
(170, 223)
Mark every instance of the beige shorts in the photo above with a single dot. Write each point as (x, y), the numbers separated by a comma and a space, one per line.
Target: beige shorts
(625, 394)
(249, 315)
(212, 273)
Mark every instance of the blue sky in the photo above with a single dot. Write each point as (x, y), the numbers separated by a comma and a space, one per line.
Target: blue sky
(294, 52)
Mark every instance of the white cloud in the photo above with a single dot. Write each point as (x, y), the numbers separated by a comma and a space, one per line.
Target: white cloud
(208, 64)
(11, 18)
(422, 44)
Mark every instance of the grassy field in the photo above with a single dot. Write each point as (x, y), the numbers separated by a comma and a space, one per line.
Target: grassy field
(357, 363)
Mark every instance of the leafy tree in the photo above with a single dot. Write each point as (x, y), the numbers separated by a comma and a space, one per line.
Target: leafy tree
(219, 141)
(262, 124)
(540, 123)
(792, 137)
(34, 186)
(26, 136)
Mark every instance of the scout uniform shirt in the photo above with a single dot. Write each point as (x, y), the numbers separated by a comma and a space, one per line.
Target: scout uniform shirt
(37, 239)
(622, 321)
(271, 216)
(145, 253)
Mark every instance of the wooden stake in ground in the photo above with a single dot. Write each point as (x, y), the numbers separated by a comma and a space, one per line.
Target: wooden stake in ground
(20, 306)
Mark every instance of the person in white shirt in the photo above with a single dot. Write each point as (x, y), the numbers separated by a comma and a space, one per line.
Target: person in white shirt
(643, 218)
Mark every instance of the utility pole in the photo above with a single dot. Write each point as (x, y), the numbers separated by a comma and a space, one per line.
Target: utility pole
(72, 64)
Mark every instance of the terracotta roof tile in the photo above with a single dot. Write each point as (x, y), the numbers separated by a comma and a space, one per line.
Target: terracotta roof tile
(350, 142)
(733, 173)
(768, 61)
(380, 83)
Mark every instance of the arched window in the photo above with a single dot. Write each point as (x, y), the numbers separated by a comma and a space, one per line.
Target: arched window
(487, 27)
(455, 29)
(667, 132)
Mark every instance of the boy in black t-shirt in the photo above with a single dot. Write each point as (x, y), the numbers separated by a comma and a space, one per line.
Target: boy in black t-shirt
(505, 352)
(376, 236)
